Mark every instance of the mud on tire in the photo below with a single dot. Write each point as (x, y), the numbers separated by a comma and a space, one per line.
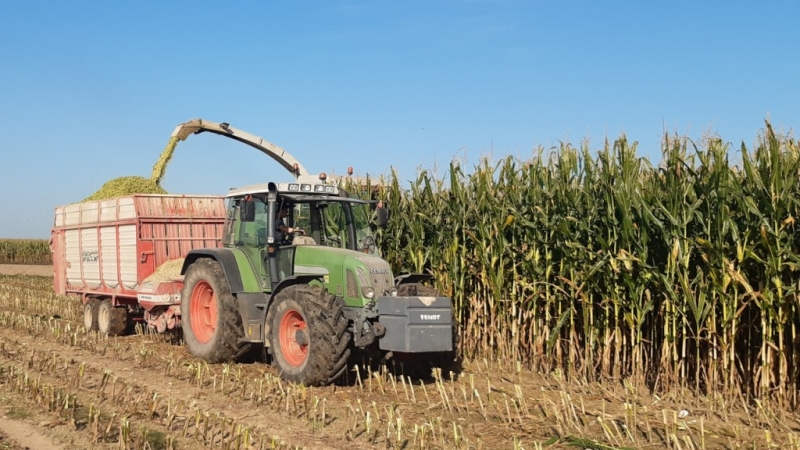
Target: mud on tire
(210, 319)
(421, 365)
(90, 309)
(111, 320)
(307, 334)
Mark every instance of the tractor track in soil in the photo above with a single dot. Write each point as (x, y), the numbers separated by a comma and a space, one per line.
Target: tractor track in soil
(143, 357)
(140, 360)
(119, 389)
(200, 405)
(135, 358)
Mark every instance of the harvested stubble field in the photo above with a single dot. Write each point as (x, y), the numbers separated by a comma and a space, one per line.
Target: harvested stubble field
(145, 391)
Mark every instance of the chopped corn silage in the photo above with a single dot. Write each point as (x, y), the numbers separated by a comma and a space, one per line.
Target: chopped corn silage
(170, 270)
(160, 167)
(122, 186)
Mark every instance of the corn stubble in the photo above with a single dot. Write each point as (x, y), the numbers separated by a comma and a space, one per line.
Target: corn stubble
(604, 265)
(48, 358)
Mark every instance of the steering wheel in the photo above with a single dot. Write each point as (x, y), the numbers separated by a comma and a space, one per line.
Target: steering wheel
(368, 243)
(288, 237)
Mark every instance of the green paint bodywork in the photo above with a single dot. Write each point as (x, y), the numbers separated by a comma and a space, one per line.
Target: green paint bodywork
(332, 264)
(336, 262)
(246, 271)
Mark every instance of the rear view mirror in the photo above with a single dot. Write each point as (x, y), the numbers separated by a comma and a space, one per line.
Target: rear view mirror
(248, 211)
(382, 215)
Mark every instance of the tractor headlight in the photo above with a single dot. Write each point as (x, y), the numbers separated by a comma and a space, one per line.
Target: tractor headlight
(391, 292)
(368, 292)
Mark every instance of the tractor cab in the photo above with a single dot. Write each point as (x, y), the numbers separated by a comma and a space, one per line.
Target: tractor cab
(274, 219)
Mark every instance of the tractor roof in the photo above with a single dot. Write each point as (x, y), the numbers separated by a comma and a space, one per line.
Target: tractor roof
(310, 186)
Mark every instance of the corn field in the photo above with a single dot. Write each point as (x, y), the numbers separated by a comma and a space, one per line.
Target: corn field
(602, 264)
(25, 251)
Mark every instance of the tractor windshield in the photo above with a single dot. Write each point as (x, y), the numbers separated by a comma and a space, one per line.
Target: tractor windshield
(365, 240)
(332, 228)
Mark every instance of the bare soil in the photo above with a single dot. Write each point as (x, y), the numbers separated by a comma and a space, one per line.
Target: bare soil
(17, 428)
(23, 269)
(24, 428)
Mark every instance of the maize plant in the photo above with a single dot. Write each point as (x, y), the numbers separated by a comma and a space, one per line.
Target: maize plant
(605, 264)
(25, 251)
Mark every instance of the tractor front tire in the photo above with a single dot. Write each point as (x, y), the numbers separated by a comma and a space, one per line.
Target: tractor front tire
(421, 365)
(210, 319)
(111, 320)
(308, 335)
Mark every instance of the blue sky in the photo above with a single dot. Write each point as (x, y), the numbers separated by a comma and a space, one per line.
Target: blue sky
(91, 90)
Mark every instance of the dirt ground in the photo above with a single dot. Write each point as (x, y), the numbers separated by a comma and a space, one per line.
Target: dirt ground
(21, 269)
(21, 432)
(153, 382)
(17, 428)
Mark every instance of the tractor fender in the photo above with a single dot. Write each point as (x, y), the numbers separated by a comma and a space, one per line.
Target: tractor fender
(225, 258)
(412, 278)
(288, 281)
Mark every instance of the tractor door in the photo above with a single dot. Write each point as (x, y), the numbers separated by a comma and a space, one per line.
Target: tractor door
(251, 235)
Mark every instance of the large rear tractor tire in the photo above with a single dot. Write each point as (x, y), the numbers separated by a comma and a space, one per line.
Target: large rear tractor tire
(308, 335)
(111, 320)
(210, 319)
(90, 309)
(421, 365)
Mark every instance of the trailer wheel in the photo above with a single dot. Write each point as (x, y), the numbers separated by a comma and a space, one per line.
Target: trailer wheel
(211, 323)
(308, 335)
(90, 309)
(421, 365)
(110, 320)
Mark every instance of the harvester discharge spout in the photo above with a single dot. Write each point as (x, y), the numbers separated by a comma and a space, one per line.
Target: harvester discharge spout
(284, 158)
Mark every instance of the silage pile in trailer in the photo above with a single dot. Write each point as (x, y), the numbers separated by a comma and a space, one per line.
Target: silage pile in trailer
(118, 187)
(122, 186)
(170, 270)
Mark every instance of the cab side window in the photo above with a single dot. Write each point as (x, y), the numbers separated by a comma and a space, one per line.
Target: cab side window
(261, 220)
(254, 233)
(302, 217)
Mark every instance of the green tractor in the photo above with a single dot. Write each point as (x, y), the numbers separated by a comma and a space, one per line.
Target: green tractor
(299, 274)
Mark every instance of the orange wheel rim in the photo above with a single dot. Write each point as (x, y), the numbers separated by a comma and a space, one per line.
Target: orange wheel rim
(203, 312)
(293, 326)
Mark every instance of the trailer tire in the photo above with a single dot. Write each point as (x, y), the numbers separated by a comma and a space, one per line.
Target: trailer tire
(421, 365)
(210, 318)
(110, 320)
(308, 335)
(90, 309)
